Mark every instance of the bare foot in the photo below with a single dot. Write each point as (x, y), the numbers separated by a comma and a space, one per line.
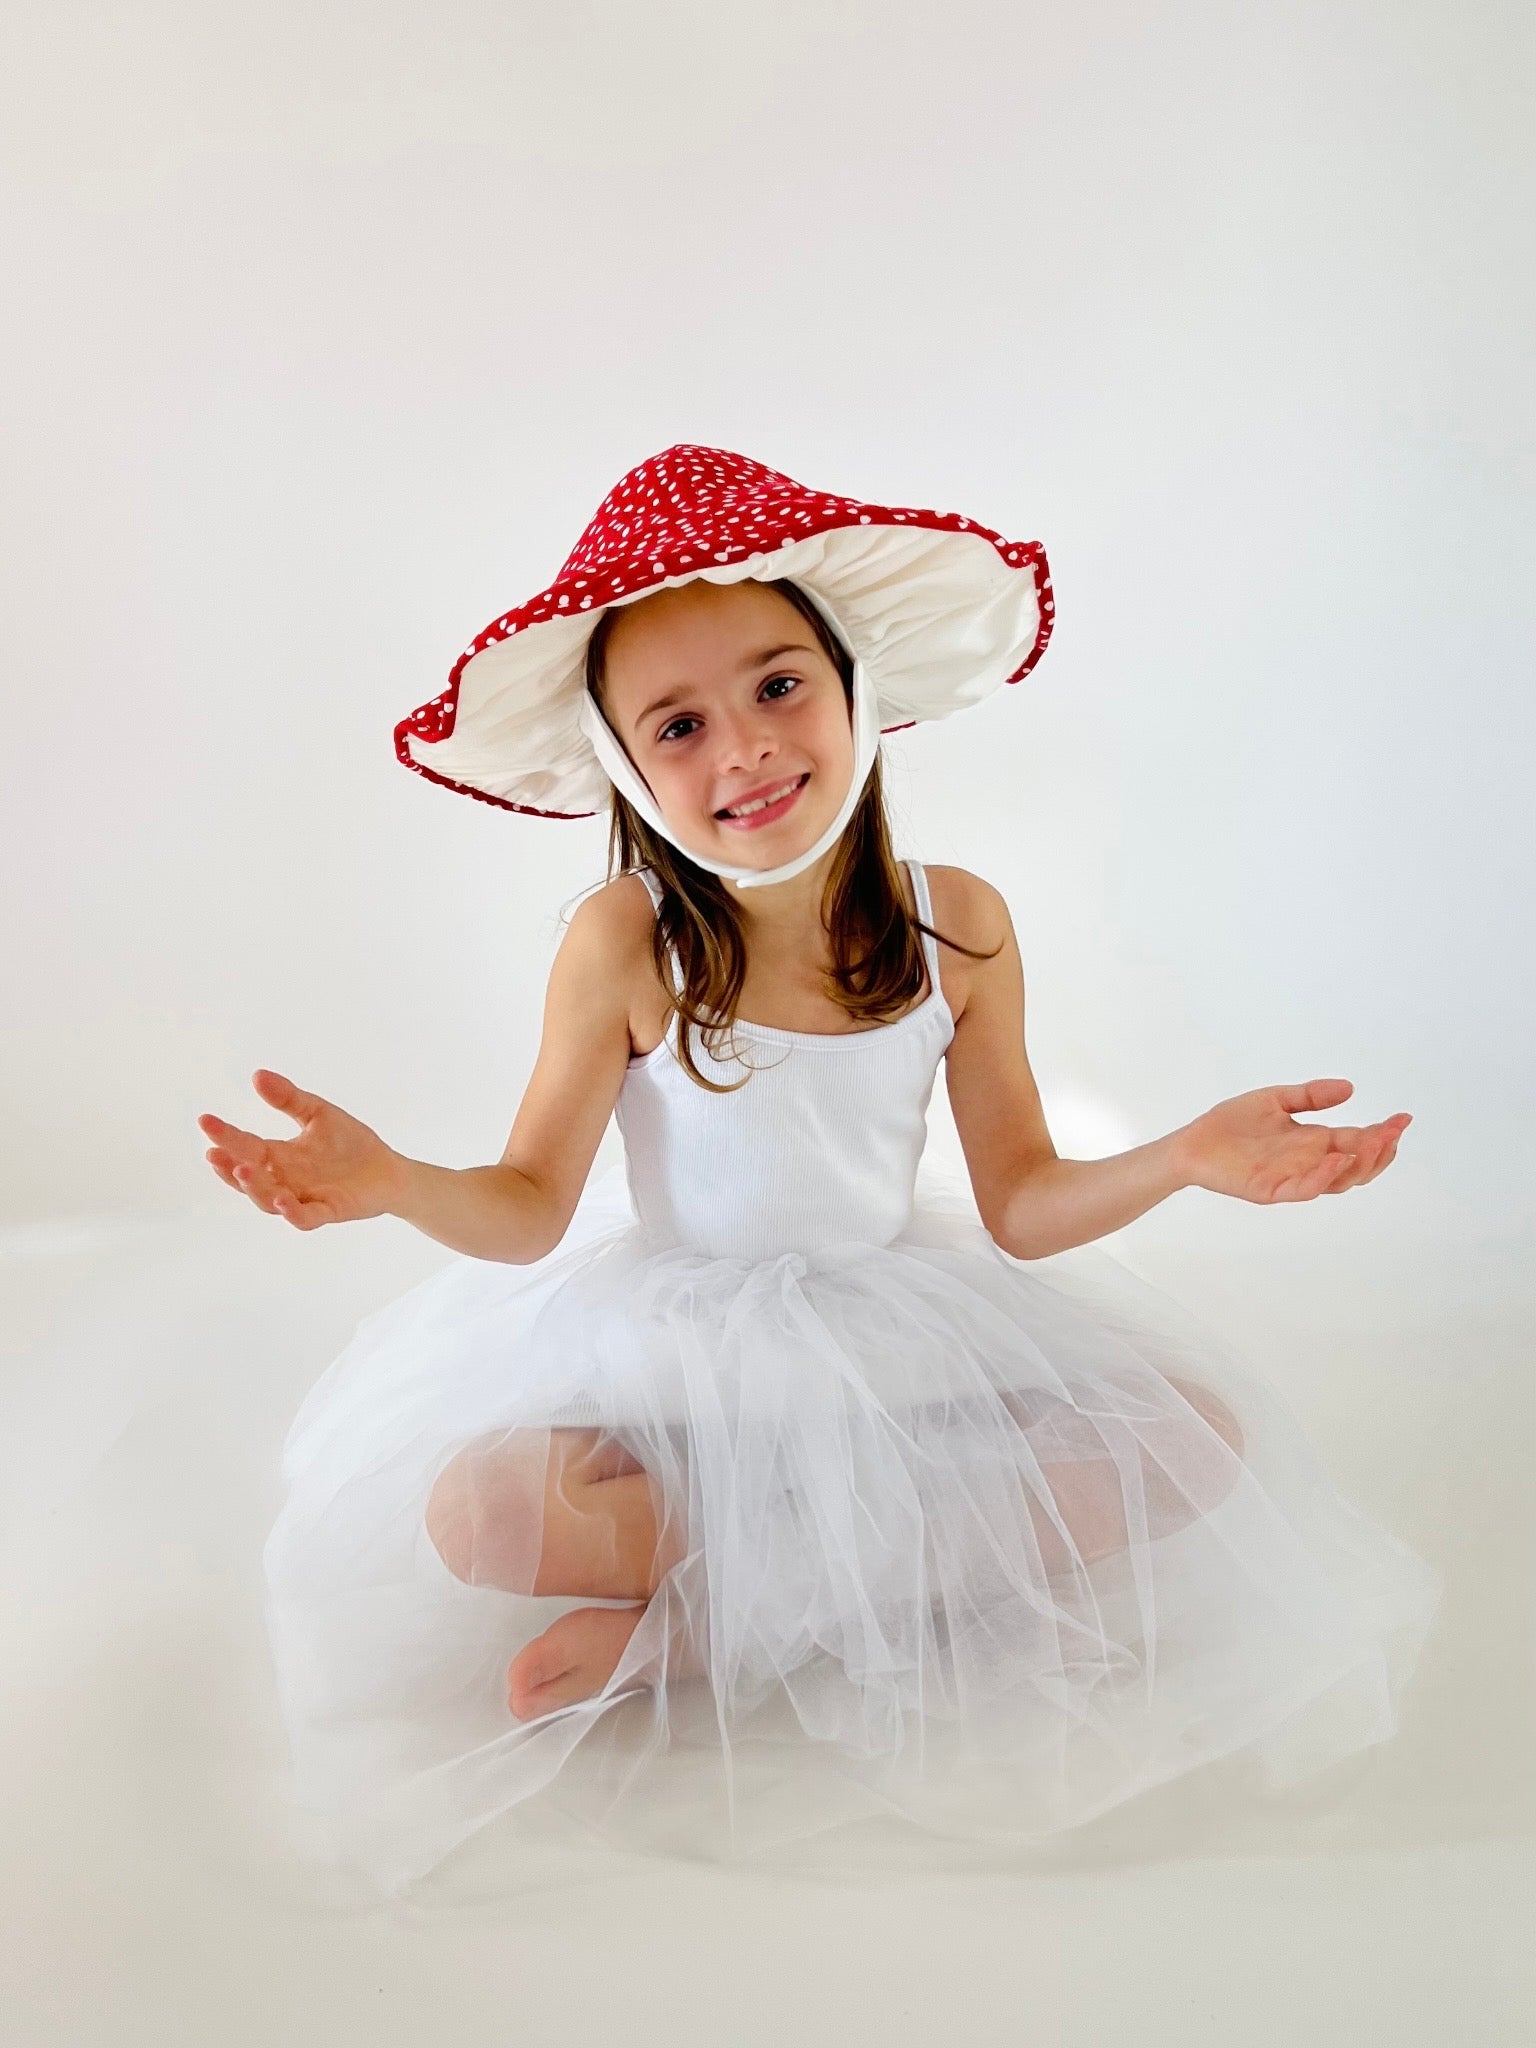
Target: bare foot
(573, 1659)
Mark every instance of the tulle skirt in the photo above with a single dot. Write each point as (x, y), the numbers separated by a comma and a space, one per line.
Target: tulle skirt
(983, 1544)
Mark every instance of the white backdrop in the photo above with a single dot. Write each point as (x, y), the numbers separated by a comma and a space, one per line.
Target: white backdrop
(325, 328)
(327, 332)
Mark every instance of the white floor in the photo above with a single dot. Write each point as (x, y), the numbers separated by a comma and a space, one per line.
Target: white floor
(149, 1891)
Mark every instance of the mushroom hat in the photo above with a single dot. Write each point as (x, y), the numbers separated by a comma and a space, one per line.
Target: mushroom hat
(935, 609)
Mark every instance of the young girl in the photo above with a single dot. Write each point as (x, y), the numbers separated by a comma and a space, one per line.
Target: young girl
(768, 1483)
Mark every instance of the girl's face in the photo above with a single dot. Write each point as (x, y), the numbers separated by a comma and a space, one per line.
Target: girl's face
(722, 694)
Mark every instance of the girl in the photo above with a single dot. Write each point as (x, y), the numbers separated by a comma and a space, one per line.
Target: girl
(855, 1495)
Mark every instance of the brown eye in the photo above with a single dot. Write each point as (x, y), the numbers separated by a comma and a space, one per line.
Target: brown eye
(667, 730)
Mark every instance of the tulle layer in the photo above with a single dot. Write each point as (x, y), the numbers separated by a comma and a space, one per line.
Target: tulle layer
(986, 1544)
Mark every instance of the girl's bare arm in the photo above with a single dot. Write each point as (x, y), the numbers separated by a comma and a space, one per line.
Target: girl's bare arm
(519, 1209)
(1034, 1203)
(339, 1170)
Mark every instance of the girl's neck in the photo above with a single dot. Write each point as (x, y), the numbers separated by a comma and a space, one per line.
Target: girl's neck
(782, 915)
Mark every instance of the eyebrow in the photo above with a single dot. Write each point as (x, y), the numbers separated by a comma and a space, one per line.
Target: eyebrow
(750, 661)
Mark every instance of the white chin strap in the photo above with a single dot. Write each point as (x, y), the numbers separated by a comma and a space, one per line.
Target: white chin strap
(622, 774)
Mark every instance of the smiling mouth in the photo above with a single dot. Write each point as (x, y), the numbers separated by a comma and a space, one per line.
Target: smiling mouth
(767, 807)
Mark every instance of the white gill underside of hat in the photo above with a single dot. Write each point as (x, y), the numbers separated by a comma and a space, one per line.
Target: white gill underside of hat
(939, 620)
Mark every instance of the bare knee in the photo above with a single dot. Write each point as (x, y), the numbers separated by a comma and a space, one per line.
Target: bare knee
(1214, 1412)
(448, 1521)
(497, 1480)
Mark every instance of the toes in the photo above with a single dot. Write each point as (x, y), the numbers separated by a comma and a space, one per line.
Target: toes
(532, 1673)
(572, 1660)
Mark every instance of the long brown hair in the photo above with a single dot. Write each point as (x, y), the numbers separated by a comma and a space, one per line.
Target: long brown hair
(877, 955)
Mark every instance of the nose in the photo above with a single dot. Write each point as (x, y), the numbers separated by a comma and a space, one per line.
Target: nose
(745, 741)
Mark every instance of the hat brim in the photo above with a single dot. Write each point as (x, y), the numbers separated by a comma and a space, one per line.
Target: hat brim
(941, 615)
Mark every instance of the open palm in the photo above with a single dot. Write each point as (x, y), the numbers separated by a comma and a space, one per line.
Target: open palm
(336, 1170)
(1252, 1147)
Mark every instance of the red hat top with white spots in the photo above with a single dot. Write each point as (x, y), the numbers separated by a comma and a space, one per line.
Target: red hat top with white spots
(938, 609)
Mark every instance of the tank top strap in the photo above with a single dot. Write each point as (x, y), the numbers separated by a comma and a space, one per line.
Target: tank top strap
(925, 912)
(652, 883)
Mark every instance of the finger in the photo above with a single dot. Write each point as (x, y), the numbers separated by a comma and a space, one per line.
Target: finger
(1376, 1152)
(1365, 1157)
(1390, 1126)
(224, 1167)
(1369, 1146)
(1301, 1095)
(1388, 1154)
(282, 1094)
(259, 1187)
(242, 1145)
(1333, 1168)
(280, 1200)
(1342, 1137)
(1301, 1187)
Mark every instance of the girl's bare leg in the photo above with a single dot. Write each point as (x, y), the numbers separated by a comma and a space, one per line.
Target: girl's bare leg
(570, 1512)
(1088, 1496)
(560, 1512)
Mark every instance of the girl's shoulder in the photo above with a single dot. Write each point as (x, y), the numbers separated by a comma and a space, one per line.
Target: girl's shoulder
(973, 918)
(966, 906)
(621, 909)
(617, 919)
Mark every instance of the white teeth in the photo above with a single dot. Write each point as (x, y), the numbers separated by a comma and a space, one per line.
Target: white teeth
(773, 796)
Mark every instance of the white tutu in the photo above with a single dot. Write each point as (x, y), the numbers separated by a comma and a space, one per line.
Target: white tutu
(951, 1544)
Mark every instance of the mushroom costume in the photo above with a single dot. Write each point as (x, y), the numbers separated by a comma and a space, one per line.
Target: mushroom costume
(936, 610)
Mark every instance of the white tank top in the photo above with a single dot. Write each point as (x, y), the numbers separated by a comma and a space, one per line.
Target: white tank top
(820, 1146)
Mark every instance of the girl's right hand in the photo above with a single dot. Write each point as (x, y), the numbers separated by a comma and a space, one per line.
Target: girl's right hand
(336, 1170)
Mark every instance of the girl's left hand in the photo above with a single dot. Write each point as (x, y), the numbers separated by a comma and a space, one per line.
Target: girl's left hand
(1251, 1146)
